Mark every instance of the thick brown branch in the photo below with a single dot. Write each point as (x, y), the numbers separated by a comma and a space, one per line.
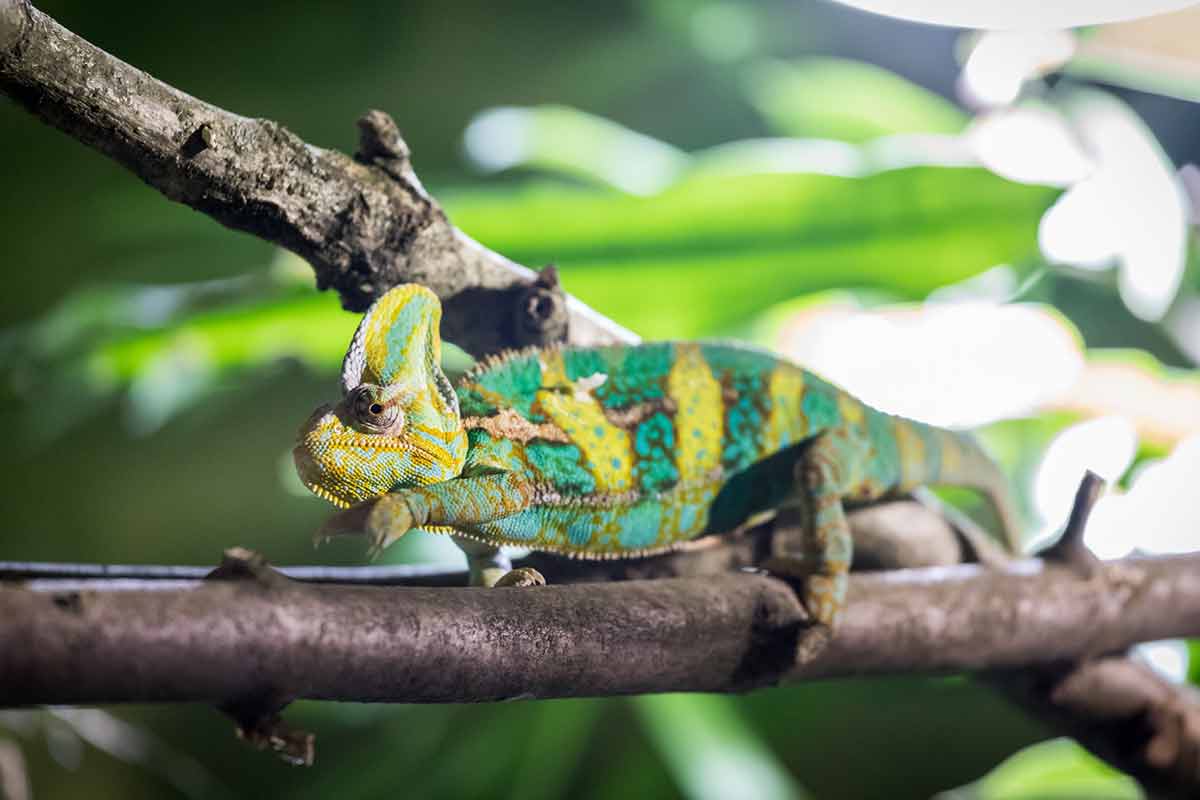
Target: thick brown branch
(363, 223)
(89, 642)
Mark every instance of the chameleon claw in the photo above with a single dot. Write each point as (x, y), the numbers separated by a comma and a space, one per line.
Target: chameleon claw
(346, 522)
(382, 519)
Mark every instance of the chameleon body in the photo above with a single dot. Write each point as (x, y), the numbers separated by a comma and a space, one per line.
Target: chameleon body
(614, 451)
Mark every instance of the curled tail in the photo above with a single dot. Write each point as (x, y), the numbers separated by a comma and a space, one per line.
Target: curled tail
(955, 458)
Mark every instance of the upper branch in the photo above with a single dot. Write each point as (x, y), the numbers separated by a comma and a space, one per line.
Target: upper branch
(364, 223)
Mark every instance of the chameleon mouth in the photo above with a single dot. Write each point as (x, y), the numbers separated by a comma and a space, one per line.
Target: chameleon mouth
(313, 475)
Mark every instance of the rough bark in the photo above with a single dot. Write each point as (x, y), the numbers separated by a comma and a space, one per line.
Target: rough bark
(364, 223)
(251, 630)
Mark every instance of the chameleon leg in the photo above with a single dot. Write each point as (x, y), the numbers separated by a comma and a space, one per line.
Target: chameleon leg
(813, 541)
(489, 566)
(458, 503)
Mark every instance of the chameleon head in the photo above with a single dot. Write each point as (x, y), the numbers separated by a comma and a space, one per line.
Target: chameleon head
(397, 423)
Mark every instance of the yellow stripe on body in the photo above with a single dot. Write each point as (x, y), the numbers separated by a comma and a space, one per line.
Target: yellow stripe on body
(786, 424)
(851, 410)
(699, 414)
(912, 455)
(382, 350)
(449, 451)
(606, 448)
(952, 455)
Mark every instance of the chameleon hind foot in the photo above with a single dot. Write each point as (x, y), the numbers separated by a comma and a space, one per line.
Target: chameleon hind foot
(521, 576)
(821, 595)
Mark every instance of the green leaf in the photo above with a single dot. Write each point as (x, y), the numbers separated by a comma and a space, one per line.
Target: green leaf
(713, 250)
(710, 750)
(1058, 769)
(848, 100)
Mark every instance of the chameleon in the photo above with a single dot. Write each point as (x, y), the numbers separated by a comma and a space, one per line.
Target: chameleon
(611, 451)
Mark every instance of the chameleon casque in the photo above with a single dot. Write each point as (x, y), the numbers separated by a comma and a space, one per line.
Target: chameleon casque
(609, 452)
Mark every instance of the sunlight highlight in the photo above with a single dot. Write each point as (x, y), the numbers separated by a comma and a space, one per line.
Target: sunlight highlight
(953, 364)
(1169, 658)
(1002, 61)
(1132, 208)
(1017, 14)
(1031, 143)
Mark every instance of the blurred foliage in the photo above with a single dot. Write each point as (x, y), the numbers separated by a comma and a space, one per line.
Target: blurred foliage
(795, 174)
(847, 100)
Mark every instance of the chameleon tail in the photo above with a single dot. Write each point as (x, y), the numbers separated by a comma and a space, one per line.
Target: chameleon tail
(955, 458)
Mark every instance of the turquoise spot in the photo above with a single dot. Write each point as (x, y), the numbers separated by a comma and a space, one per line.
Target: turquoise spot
(579, 532)
(482, 449)
(472, 404)
(517, 380)
(746, 362)
(654, 443)
(819, 405)
(560, 464)
(690, 521)
(616, 463)
(583, 362)
(642, 374)
(884, 464)
(638, 525)
(523, 526)
(743, 420)
(599, 430)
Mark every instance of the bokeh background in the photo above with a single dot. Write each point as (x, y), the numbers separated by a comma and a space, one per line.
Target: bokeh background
(978, 230)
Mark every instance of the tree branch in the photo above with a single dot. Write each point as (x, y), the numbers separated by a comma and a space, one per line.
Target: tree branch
(66, 641)
(365, 223)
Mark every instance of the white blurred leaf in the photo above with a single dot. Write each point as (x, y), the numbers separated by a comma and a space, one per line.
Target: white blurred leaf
(1030, 143)
(950, 364)
(1002, 61)
(1017, 14)
(1081, 228)
(1134, 199)
(1163, 404)
(1158, 514)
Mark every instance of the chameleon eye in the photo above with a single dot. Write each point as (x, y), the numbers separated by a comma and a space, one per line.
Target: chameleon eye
(371, 412)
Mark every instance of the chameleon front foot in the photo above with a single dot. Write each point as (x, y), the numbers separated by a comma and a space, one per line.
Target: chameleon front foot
(382, 520)
(521, 576)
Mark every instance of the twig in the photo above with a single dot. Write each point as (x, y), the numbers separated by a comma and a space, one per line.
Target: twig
(1070, 549)
(1117, 708)
(363, 223)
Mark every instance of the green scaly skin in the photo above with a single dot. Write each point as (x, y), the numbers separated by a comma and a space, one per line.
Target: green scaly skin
(610, 452)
